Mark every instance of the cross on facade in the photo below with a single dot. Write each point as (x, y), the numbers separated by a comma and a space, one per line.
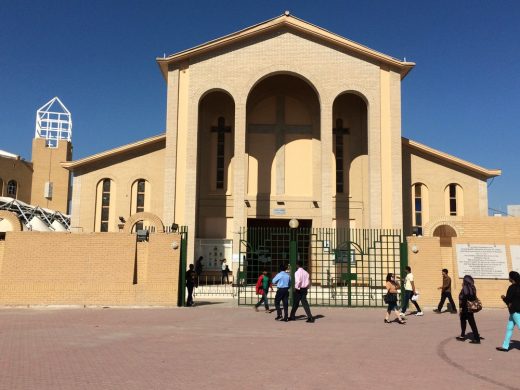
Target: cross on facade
(339, 132)
(280, 128)
(221, 131)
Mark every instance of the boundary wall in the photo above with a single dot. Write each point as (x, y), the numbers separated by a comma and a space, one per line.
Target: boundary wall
(39, 268)
(435, 253)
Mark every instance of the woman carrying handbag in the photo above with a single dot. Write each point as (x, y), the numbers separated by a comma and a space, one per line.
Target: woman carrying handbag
(391, 298)
(468, 304)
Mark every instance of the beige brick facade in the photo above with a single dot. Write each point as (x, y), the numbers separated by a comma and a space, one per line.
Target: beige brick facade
(94, 269)
(432, 257)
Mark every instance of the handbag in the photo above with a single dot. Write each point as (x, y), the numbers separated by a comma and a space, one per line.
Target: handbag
(390, 298)
(474, 306)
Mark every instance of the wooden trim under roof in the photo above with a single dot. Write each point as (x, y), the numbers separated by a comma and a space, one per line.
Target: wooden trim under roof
(284, 20)
(112, 152)
(489, 173)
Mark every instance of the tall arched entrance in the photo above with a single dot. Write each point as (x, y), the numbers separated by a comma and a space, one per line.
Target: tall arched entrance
(283, 150)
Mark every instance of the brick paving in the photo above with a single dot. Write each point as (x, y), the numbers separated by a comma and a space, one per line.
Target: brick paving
(220, 346)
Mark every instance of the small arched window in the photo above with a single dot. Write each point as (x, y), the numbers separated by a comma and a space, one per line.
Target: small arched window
(139, 194)
(12, 188)
(420, 214)
(454, 200)
(105, 205)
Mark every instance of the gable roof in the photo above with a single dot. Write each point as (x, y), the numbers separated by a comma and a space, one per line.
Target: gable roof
(72, 165)
(280, 21)
(488, 173)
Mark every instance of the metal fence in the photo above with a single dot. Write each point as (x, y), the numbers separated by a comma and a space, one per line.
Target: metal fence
(348, 267)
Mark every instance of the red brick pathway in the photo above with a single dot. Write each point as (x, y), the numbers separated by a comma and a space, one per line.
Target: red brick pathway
(221, 347)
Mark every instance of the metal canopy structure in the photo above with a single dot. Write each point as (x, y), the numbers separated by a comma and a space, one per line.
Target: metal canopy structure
(35, 217)
(53, 123)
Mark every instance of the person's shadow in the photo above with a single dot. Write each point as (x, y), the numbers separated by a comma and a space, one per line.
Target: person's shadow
(304, 317)
(514, 344)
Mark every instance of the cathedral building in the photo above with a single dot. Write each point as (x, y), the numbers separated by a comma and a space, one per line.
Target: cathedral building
(278, 121)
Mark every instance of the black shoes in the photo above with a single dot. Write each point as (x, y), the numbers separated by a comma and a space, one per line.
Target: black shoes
(474, 342)
(277, 318)
(310, 319)
(461, 338)
(502, 349)
(437, 311)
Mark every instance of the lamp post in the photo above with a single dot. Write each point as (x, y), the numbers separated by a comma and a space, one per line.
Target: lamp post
(293, 252)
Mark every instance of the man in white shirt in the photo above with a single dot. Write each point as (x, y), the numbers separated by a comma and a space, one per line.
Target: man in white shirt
(301, 285)
(409, 292)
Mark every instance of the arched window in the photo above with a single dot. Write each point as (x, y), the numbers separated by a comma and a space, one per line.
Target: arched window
(454, 200)
(140, 199)
(104, 190)
(420, 214)
(12, 188)
(445, 233)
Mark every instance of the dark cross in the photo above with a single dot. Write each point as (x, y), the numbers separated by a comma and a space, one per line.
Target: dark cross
(339, 131)
(221, 130)
(280, 128)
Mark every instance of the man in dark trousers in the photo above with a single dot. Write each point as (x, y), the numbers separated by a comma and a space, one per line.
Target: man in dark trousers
(190, 284)
(301, 286)
(446, 293)
(283, 282)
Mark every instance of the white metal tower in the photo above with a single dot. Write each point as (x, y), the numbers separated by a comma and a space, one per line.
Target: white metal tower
(53, 122)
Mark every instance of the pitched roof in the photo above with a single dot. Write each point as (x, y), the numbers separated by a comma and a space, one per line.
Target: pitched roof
(293, 22)
(488, 173)
(72, 165)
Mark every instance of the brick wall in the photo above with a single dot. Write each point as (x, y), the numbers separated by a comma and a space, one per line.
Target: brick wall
(39, 268)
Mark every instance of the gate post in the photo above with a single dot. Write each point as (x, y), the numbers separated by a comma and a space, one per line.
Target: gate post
(293, 257)
(403, 254)
(182, 268)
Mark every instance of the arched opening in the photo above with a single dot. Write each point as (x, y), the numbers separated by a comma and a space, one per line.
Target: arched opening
(215, 163)
(350, 150)
(445, 233)
(282, 145)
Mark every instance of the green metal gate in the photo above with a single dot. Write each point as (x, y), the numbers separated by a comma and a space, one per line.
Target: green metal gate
(348, 267)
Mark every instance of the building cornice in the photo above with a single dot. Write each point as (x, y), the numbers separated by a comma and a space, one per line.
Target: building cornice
(287, 20)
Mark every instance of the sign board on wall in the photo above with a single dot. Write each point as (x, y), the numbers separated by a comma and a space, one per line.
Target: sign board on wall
(515, 257)
(482, 261)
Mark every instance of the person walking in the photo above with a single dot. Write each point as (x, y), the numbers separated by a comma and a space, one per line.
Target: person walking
(301, 286)
(467, 293)
(190, 284)
(409, 292)
(392, 286)
(262, 288)
(283, 282)
(446, 293)
(512, 300)
(225, 271)
(198, 268)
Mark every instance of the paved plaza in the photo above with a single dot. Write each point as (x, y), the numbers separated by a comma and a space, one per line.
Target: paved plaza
(219, 346)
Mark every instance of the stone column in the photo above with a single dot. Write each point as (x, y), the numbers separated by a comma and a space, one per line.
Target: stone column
(170, 159)
(326, 163)
(239, 174)
(373, 214)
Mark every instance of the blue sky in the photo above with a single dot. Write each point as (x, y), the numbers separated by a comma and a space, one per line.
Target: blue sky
(463, 97)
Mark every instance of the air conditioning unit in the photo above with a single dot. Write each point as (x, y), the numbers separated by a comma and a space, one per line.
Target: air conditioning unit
(47, 191)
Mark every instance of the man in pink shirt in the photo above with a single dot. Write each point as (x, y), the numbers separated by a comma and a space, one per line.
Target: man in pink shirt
(301, 285)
